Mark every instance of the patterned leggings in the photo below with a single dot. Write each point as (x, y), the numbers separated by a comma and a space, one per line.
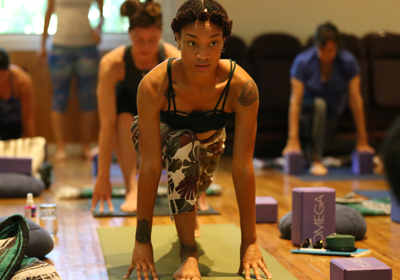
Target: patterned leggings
(190, 163)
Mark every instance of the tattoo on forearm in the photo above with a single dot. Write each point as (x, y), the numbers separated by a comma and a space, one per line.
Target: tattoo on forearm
(249, 94)
(187, 249)
(143, 231)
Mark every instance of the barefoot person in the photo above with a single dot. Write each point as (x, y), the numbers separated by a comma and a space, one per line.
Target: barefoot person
(73, 53)
(324, 78)
(194, 97)
(121, 71)
(16, 100)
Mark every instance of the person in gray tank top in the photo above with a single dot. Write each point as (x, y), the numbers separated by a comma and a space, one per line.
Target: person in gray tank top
(121, 71)
(73, 53)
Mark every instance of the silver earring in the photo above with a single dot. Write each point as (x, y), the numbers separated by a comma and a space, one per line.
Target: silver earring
(223, 49)
(179, 47)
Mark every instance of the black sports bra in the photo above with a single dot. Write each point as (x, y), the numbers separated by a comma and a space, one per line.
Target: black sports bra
(197, 121)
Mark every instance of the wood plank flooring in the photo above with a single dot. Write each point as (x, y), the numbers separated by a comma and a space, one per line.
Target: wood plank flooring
(77, 254)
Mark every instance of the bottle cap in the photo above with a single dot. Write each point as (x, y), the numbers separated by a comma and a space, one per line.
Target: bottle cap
(29, 199)
(47, 205)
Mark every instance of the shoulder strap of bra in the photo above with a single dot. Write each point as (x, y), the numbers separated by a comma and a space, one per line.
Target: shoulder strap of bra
(128, 54)
(161, 52)
(11, 80)
(226, 89)
(170, 88)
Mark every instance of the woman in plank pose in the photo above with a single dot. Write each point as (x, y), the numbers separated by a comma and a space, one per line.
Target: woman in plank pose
(194, 97)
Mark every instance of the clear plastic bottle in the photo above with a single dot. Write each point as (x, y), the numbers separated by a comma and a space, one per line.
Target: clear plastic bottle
(48, 218)
(30, 208)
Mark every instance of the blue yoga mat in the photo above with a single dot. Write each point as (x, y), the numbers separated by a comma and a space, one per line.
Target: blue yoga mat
(116, 176)
(376, 194)
(338, 174)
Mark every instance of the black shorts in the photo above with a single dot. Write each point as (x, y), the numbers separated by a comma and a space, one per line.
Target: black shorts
(126, 102)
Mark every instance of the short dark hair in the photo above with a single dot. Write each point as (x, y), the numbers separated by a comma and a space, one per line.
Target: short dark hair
(143, 14)
(4, 59)
(202, 10)
(326, 32)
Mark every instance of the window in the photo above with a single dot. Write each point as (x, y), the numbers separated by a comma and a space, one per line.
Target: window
(27, 17)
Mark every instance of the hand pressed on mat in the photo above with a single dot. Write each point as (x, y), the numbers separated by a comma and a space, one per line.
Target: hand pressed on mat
(252, 258)
(102, 192)
(142, 261)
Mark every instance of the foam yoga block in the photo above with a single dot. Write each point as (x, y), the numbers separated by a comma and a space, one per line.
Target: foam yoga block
(359, 268)
(294, 163)
(395, 208)
(362, 162)
(266, 209)
(16, 165)
(313, 213)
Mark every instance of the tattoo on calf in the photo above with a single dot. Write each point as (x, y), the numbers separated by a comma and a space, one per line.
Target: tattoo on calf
(187, 249)
(143, 231)
(249, 94)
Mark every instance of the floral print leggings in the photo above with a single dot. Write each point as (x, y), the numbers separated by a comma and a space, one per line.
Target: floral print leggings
(190, 163)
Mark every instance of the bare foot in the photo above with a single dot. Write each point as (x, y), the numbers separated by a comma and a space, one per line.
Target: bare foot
(189, 268)
(318, 169)
(197, 230)
(202, 201)
(130, 203)
(61, 155)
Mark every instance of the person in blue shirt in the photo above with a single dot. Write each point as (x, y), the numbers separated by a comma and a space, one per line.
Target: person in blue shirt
(324, 78)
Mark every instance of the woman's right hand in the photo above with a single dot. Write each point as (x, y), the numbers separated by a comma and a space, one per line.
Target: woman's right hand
(292, 146)
(142, 261)
(102, 192)
(42, 56)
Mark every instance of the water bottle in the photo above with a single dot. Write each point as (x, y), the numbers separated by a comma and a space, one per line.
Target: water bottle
(48, 219)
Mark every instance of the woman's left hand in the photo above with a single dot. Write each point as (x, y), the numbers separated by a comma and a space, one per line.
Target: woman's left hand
(251, 258)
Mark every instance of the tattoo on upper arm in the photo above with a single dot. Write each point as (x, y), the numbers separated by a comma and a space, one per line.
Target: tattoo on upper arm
(249, 94)
(167, 93)
(143, 231)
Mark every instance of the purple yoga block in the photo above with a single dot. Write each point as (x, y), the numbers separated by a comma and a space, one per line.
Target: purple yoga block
(294, 163)
(266, 209)
(359, 268)
(395, 208)
(16, 165)
(362, 162)
(313, 213)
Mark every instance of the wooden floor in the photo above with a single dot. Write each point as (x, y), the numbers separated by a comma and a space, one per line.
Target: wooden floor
(77, 254)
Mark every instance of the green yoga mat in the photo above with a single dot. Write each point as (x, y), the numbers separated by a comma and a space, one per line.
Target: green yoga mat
(161, 208)
(218, 249)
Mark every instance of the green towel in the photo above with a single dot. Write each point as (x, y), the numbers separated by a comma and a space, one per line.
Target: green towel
(14, 238)
(372, 207)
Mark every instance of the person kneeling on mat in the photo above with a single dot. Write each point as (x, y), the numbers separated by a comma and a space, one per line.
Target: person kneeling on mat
(195, 97)
(323, 77)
